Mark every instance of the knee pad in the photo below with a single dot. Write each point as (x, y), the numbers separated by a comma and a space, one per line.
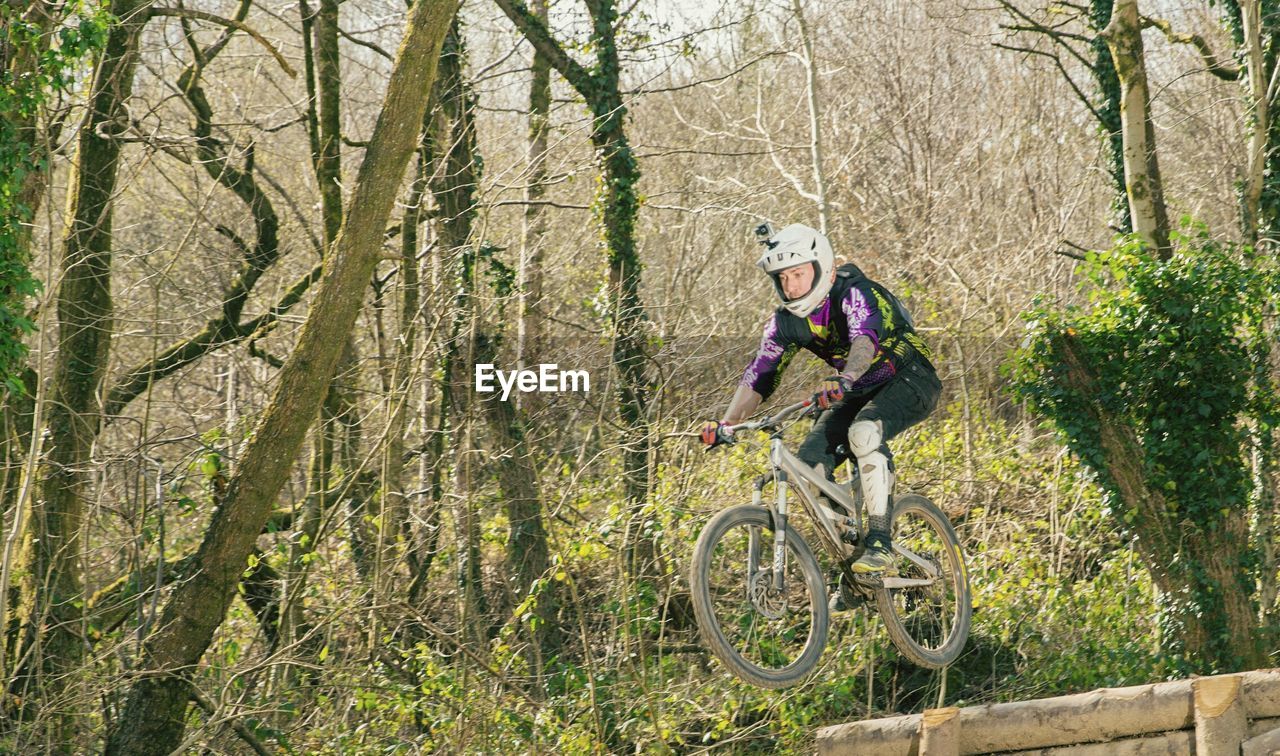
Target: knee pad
(865, 437)
(875, 466)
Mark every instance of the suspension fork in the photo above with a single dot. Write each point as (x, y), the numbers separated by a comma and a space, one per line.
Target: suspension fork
(780, 530)
(753, 544)
(779, 514)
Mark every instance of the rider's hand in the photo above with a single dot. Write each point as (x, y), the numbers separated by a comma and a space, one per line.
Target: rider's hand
(713, 434)
(830, 391)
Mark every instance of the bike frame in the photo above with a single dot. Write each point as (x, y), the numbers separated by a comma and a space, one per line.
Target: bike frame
(786, 467)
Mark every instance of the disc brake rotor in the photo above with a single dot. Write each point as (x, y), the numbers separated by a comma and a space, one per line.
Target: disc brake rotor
(767, 601)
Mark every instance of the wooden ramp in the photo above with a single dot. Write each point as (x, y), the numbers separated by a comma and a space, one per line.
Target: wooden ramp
(1226, 715)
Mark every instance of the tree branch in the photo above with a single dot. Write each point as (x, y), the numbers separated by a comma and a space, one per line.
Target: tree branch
(291, 297)
(1084, 99)
(239, 727)
(538, 203)
(1051, 31)
(369, 45)
(1224, 72)
(218, 332)
(257, 257)
(700, 82)
(540, 37)
(1057, 37)
(230, 23)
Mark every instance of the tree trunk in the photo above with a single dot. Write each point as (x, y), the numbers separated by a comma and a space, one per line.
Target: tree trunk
(815, 124)
(1104, 73)
(336, 435)
(1199, 567)
(1266, 486)
(153, 718)
(618, 214)
(618, 209)
(329, 126)
(528, 555)
(22, 64)
(52, 590)
(433, 424)
(1141, 166)
(530, 348)
(472, 606)
(1260, 124)
(394, 531)
(453, 186)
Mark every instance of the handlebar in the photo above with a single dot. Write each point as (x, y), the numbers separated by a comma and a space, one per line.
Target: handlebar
(773, 421)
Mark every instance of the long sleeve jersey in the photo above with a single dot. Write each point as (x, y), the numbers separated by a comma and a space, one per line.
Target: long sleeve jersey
(855, 307)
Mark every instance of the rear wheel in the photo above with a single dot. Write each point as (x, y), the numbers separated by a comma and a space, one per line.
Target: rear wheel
(764, 636)
(929, 623)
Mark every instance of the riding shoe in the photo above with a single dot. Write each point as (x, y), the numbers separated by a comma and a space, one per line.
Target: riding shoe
(875, 560)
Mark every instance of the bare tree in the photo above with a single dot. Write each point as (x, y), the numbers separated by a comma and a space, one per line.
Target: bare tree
(52, 589)
(533, 229)
(619, 210)
(153, 719)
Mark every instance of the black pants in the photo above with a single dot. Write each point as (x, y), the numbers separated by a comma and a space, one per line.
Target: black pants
(906, 399)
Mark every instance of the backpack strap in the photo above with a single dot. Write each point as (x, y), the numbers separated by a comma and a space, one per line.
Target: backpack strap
(792, 329)
(851, 272)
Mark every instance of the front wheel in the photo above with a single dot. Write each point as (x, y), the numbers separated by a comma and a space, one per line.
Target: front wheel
(928, 613)
(767, 637)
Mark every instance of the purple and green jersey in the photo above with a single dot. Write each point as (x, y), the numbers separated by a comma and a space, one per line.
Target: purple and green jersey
(858, 309)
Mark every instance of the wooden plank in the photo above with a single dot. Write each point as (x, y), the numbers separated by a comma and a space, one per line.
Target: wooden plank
(1220, 720)
(1176, 743)
(940, 732)
(1264, 744)
(1099, 716)
(1259, 726)
(893, 736)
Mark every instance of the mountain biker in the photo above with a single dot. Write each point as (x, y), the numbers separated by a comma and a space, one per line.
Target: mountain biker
(885, 382)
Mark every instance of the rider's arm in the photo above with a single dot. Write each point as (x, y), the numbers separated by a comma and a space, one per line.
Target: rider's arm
(765, 371)
(866, 330)
(861, 353)
(744, 404)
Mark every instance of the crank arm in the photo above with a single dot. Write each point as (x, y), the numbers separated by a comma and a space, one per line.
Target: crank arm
(917, 560)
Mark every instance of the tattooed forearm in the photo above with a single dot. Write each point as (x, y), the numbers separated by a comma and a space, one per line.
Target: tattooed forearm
(745, 401)
(861, 352)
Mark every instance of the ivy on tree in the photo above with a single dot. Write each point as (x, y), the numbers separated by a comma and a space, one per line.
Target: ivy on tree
(39, 62)
(1173, 347)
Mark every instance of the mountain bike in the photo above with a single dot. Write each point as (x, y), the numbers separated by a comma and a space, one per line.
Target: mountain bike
(760, 597)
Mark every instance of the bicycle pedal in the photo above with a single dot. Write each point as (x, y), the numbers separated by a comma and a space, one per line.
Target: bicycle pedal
(843, 599)
(837, 603)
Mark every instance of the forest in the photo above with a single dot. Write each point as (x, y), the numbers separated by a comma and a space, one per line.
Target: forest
(271, 481)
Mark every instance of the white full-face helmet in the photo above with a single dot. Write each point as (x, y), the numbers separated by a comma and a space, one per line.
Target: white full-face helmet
(794, 245)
